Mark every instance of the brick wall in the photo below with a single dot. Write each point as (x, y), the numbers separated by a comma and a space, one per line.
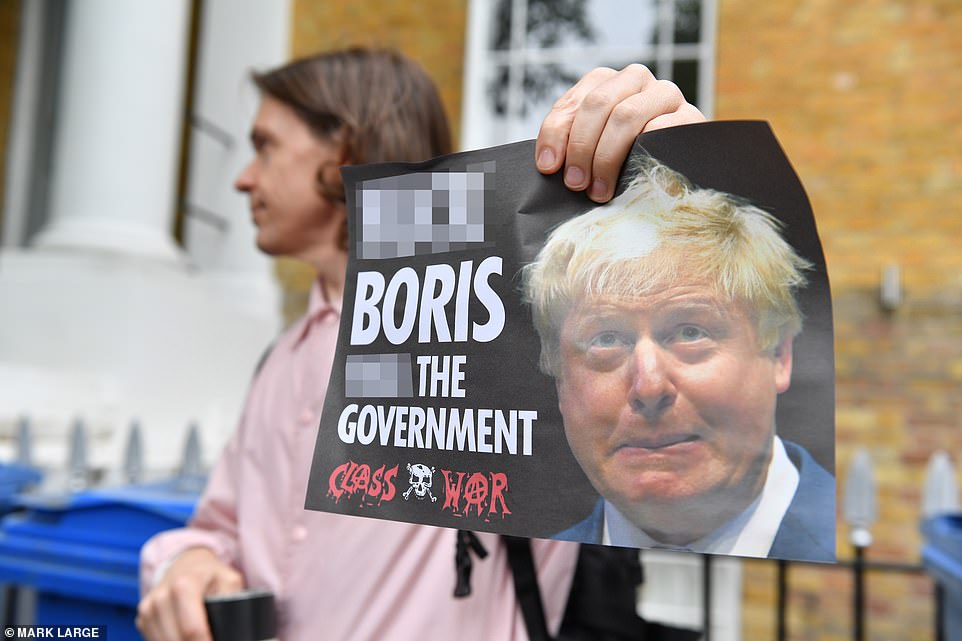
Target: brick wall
(864, 97)
(430, 31)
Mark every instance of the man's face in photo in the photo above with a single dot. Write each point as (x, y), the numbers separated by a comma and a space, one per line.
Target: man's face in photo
(668, 398)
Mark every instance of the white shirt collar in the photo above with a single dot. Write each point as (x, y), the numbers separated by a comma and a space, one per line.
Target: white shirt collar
(751, 533)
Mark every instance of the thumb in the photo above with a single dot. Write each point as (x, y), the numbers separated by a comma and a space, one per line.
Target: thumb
(225, 581)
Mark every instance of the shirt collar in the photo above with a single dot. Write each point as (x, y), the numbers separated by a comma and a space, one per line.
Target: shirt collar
(751, 533)
(319, 307)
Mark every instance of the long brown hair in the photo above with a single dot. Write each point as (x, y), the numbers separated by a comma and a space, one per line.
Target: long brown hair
(377, 104)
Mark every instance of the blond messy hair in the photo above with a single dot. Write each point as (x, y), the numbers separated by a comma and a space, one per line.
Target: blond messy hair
(662, 225)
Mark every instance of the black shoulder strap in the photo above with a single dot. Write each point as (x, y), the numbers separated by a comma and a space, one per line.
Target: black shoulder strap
(526, 587)
(260, 362)
(467, 542)
(601, 603)
(604, 590)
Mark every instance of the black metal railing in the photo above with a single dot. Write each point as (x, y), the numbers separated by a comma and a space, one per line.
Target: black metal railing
(860, 568)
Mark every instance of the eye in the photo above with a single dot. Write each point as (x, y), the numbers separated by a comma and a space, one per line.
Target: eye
(262, 147)
(607, 339)
(688, 333)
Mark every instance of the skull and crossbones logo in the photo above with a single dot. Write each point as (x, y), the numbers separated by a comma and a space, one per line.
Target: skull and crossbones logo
(421, 480)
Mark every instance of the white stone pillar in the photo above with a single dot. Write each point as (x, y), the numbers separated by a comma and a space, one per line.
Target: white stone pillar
(121, 107)
(226, 99)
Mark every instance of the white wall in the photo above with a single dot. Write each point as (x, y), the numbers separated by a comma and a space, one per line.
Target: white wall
(105, 331)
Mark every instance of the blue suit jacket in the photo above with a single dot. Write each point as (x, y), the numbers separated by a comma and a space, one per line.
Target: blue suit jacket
(807, 531)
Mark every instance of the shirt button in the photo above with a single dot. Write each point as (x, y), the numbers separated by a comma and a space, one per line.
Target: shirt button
(307, 417)
(299, 533)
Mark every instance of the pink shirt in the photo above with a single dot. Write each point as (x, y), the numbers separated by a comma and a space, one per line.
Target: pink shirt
(339, 577)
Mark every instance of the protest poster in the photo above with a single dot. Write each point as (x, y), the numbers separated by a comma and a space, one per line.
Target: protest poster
(657, 372)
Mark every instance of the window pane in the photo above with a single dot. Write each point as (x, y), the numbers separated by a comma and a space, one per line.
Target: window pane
(577, 23)
(610, 23)
(537, 89)
(687, 21)
(496, 103)
(550, 23)
(500, 35)
(561, 23)
(541, 86)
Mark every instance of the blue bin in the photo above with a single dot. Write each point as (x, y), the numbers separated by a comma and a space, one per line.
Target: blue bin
(79, 553)
(942, 558)
(14, 479)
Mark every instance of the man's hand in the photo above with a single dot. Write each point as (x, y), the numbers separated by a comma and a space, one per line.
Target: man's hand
(174, 609)
(591, 128)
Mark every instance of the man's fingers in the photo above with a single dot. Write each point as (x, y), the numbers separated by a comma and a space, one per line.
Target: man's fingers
(226, 581)
(157, 616)
(591, 128)
(553, 136)
(617, 98)
(687, 114)
(174, 609)
(572, 129)
(191, 616)
(168, 619)
(660, 104)
(147, 621)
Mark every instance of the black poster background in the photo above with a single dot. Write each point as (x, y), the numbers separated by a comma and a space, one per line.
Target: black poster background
(547, 491)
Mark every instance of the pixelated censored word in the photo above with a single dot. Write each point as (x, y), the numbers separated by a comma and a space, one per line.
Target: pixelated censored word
(420, 214)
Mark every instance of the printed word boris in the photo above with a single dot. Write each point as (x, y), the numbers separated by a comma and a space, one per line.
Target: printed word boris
(424, 301)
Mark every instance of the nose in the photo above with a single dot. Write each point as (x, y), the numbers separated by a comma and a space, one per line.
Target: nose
(652, 388)
(245, 179)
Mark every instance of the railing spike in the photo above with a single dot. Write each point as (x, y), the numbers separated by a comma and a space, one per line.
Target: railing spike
(859, 509)
(941, 492)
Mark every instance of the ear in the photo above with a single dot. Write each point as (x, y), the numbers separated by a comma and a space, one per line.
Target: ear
(783, 364)
(329, 182)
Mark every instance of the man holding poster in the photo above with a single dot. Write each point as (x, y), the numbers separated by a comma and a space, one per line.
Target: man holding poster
(351, 578)
(667, 319)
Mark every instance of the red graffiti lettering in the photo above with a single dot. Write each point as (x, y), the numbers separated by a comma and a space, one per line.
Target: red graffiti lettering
(499, 485)
(355, 479)
(476, 494)
(452, 491)
(359, 480)
(389, 489)
(335, 484)
(375, 485)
